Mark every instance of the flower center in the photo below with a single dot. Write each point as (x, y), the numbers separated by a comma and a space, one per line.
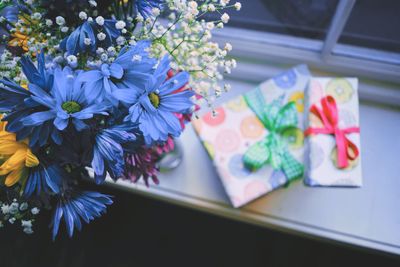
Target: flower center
(154, 99)
(71, 107)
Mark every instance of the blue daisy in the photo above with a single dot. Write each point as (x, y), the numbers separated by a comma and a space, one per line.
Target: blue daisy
(75, 42)
(43, 179)
(131, 68)
(64, 104)
(154, 106)
(108, 153)
(77, 206)
(144, 7)
(17, 102)
(39, 76)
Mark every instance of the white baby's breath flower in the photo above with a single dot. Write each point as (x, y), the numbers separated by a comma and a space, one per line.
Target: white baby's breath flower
(155, 11)
(100, 20)
(224, 2)
(210, 25)
(87, 41)
(225, 18)
(72, 61)
(12, 220)
(49, 22)
(172, 16)
(60, 20)
(36, 16)
(92, 3)
(228, 47)
(35, 211)
(120, 40)
(14, 207)
(26, 223)
(101, 36)
(193, 4)
(64, 29)
(99, 51)
(238, 6)
(119, 25)
(111, 51)
(190, 40)
(5, 209)
(104, 57)
(83, 15)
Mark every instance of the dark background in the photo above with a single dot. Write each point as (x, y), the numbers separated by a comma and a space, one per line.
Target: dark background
(138, 231)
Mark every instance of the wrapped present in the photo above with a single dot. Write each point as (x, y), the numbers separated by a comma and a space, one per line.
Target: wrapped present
(333, 139)
(256, 140)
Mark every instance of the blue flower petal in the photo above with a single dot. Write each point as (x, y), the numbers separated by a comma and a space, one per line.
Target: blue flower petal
(116, 71)
(38, 118)
(90, 76)
(76, 206)
(128, 96)
(60, 123)
(179, 102)
(175, 83)
(56, 220)
(79, 125)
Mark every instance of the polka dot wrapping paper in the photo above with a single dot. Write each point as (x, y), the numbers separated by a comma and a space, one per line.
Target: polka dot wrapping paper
(227, 137)
(321, 157)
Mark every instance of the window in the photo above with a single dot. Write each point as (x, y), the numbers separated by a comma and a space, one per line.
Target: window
(374, 24)
(298, 18)
(349, 37)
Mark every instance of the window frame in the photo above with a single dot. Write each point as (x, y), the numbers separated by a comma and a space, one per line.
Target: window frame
(327, 54)
(254, 48)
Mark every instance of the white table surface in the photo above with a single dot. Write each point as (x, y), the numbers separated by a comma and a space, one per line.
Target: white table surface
(367, 217)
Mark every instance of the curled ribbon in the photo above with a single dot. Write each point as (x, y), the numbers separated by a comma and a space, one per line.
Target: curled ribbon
(330, 119)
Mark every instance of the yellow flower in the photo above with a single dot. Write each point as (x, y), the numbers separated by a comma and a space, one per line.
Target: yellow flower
(19, 39)
(16, 157)
(26, 31)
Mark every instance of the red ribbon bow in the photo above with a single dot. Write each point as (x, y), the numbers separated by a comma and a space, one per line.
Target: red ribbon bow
(330, 118)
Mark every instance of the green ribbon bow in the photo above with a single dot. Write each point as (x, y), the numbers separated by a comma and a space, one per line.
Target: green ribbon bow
(273, 149)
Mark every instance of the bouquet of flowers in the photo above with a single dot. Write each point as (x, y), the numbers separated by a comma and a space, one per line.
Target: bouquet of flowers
(103, 85)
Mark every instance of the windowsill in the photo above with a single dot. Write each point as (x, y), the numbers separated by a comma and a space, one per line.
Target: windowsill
(366, 217)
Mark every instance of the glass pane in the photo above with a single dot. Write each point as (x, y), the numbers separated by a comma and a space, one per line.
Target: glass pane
(304, 18)
(374, 24)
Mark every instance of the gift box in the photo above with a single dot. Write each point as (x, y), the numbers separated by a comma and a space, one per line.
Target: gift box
(332, 130)
(256, 140)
